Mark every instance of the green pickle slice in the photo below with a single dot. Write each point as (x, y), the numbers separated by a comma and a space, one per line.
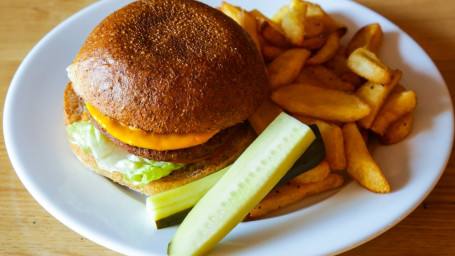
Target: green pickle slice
(242, 187)
(170, 208)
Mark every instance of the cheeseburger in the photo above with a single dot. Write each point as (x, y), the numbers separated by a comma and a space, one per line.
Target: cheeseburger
(159, 94)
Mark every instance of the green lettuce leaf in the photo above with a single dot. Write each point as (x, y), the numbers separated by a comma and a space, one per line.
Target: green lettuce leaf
(110, 157)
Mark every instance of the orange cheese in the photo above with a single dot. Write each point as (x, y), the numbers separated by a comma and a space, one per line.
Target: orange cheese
(144, 139)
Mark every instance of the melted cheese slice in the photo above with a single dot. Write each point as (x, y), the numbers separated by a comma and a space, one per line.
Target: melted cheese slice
(144, 139)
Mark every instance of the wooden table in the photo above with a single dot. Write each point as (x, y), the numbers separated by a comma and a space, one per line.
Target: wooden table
(27, 229)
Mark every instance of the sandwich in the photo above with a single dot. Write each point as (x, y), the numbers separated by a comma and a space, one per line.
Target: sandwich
(160, 92)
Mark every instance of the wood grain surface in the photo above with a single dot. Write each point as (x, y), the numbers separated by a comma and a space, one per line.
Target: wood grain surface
(27, 229)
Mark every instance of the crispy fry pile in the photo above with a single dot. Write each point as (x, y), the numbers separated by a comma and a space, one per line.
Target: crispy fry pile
(347, 91)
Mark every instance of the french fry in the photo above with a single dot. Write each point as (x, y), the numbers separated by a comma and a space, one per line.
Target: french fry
(342, 51)
(398, 131)
(317, 174)
(330, 25)
(305, 24)
(397, 105)
(293, 22)
(334, 144)
(326, 104)
(234, 12)
(327, 51)
(278, 16)
(305, 119)
(347, 91)
(287, 194)
(270, 30)
(270, 52)
(367, 65)
(244, 19)
(368, 37)
(308, 120)
(264, 115)
(273, 36)
(250, 25)
(365, 134)
(352, 78)
(261, 18)
(314, 43)
(323, 77)
(308, 77)
(314, 26)
(361, 165)
(375, 95)
(339, 66)
(315, 11)
(285, 68)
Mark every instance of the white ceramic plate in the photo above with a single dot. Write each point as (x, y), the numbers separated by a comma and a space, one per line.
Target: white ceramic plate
(115, 218)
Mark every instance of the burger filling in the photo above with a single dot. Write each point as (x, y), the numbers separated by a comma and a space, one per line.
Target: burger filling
(139, 165)
(108, 156)
(194, 154)
(144, 139)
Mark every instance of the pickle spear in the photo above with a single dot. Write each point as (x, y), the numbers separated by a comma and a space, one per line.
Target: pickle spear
(243, 186)
(171, 207)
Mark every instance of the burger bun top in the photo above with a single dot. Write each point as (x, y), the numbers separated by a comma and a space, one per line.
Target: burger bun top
(170, 67)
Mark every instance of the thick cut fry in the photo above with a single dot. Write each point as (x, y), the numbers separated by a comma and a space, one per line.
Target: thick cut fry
(361, 166)
(342, 51)
(270, 52)
(375, 95)
(315, 11)
(305, 119)
(307, 77)
(293, 22)
(250, 25)
(326, 104)
(367, 65)
(278, 16)
(293, 192)
(352, 78)
(334, 144)
(314, 43)
(273, 36)
(261, 18)
(330, 25)
(323, 77)
(244, 19)
(339, 66)
(318, 173)
(308, 120)
(365, 134)
(397, 105)
(398, 131)
(286, 67)
(264, 115)
(314, 26)
(368, 37)
(234, 12)
(327, 51)
(270, 30)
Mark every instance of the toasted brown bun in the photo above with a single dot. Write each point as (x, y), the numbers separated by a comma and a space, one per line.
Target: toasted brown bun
(170, 66)
(74, 111)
